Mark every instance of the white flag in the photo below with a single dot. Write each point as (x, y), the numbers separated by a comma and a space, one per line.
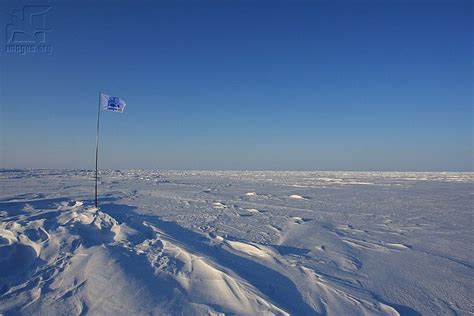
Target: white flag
(110, 103)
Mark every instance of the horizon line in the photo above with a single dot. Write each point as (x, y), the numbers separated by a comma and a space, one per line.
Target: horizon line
(240, 170)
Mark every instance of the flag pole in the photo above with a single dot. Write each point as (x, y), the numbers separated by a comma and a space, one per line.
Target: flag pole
(97, 151)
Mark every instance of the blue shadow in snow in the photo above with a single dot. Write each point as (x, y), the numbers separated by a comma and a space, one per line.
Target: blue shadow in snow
(276, 286)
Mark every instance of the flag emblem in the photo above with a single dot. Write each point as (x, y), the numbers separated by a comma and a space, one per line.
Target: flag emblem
(110, 103)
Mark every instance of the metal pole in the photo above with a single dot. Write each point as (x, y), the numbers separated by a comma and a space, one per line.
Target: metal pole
(97, 151)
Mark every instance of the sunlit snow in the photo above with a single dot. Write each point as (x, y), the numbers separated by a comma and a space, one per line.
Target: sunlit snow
(247, 243)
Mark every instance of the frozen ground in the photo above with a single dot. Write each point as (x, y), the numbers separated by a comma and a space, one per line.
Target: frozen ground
(247, 243)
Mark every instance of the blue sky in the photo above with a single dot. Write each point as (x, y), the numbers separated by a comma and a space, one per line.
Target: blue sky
(292, 85)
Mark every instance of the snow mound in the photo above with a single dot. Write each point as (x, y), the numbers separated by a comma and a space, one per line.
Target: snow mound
(75, 259)
(249, 249)
(218, 205)
(252, 210)
(296, 197)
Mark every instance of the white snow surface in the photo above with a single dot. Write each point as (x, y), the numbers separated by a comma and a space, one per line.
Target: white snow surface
(236, 242)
